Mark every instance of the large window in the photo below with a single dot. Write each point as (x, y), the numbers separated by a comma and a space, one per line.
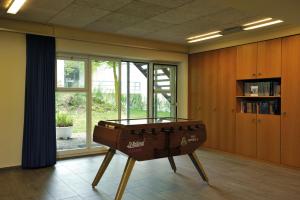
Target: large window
(134, 93)
(71, 104)
(89, 90)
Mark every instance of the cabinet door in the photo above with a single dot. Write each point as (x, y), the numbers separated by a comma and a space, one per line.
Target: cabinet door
(246, 134)
(209, 76)
(290, 95)
(246, 61)
(269, 59)
(268, 137)
(195, 84)
(226, 99)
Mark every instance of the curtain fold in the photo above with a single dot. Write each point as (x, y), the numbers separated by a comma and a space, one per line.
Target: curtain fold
(39, 139)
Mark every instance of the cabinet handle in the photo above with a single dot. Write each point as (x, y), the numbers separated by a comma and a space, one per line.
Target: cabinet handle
(253, 75)
(253, 120)
(283, 113)
(233, 110)
(259, 74)
(214, 109)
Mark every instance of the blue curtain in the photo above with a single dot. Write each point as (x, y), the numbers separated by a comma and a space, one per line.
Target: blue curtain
(39, 140)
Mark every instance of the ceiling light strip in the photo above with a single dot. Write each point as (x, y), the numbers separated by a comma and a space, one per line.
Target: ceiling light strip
(15, 6)
(258, 21)
(203, 35)
(262, 25)
(205, 38)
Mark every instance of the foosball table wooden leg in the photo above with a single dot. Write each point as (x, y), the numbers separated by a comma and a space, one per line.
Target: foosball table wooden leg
(109, 155)
(198, 166)
(172, 163)
(125, 178)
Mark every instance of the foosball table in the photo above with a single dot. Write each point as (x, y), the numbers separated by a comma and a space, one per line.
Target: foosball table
(147, 139)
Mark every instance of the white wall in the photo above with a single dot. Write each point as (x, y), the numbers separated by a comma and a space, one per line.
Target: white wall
(12, 89)
(12, 83)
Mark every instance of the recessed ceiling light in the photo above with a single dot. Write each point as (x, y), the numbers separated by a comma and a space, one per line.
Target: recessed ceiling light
(15, 6)
(258, 21)
(205, 38)
(262, 25)
(203, 35)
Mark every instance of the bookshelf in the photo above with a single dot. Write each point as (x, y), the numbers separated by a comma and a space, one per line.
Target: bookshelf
(259, 96)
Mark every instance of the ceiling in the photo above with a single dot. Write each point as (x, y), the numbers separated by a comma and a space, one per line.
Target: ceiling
(164, 20)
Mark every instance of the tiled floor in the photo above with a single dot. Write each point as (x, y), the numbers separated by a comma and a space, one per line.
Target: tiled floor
(230, 177)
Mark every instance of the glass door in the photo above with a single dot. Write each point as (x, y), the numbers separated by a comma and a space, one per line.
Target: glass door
(105, 89)
(164, 90)
(134, 92)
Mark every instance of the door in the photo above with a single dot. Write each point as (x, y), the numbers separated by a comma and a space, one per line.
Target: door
(246, 61)
(164, 90)
(290, 129)
(134, 89)
(226, 98)
(195, 86)
(246, 134)
(210, 65)
(269, 59)
(268, 137)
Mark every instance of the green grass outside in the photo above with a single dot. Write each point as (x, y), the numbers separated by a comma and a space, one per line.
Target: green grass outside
(79, 118)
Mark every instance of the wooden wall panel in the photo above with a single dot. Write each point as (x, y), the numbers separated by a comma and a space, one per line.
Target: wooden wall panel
(226, 99)
(290, 95)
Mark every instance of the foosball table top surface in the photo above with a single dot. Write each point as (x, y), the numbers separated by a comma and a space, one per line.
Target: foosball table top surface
(149, 122)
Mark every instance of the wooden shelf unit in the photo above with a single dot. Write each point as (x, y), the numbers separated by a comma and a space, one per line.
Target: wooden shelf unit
(216, 90)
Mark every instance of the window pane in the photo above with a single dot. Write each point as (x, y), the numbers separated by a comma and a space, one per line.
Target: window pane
(70, 112)
(164, 90)
(105, 90)
(137, 91)
(70, 74)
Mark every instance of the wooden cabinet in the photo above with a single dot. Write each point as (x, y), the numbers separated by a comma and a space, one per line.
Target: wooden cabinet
(269, 59)
(259, 60)
(268, 137)
(246, 134)
(290, 82)
(246, 61)
(212, 95)
(226, 99)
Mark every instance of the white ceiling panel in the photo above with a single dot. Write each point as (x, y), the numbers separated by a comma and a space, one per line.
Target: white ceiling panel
(142, 9)
(113, 22)
(175, 17)
(78, 16)
(168, 3)
(228, 16)
(145, 27)
(110, 5)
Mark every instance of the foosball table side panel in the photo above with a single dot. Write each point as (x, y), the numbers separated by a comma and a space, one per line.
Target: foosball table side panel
(106, 136)
(160, 144)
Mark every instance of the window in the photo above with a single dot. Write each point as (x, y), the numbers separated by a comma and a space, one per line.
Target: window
(90, 89)
(71, 104)
(164, 90)
(134, 92)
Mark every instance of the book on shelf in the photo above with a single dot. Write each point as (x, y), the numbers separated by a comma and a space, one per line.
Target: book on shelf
(262, 88)
(248, 107)
(261, 106)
